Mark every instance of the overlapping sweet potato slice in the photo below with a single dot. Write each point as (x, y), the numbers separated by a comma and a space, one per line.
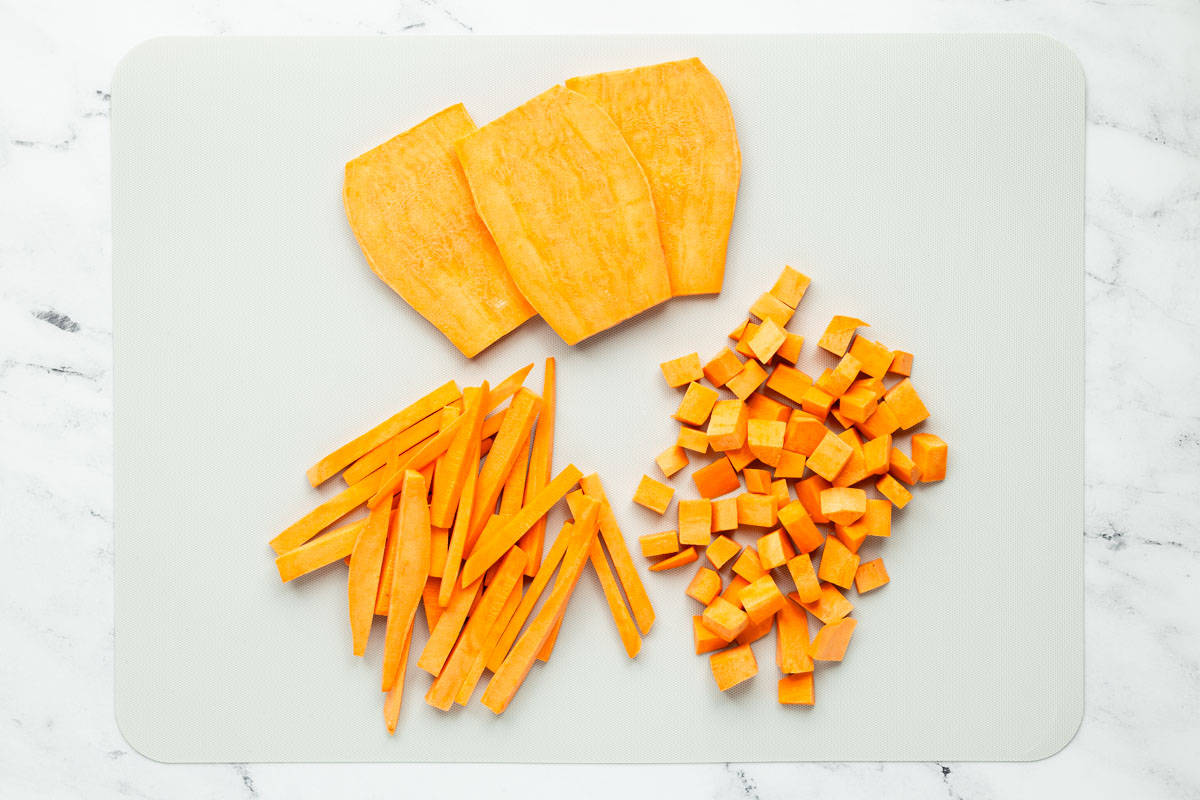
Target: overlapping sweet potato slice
(676, 119)
(571, 211)
(410, 207)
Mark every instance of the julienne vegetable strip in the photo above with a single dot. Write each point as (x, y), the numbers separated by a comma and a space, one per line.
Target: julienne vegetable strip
(459, 453)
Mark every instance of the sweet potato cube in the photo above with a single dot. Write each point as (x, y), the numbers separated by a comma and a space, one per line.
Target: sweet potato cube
(874, 384)
(843, 505)
(724, 515)
(855, 468)
(697, 404)
(745, 382)
(880, 423)
(736, 333)
(762, 599)
(727, 425)
(770, 549)
(716, 479)
(791, 640)
(838, 334)
(799, 525)
(876, 521)
(830, 642)
(902, 467)
(789, 351)
(682, 370)
(765, 438)
(762, 407)
(796, 690)
(721, 550)
(857, 405)
(671, 460)
(706, 641)
(789, 382)
(783, 495)
(767, 340)
(836, 413)
(808, 587)
(733, 590)
(929, 454)
(755, 631)
(723, 366)
(791, 465)
(870, 575)
(901, 363)
(838, 564)
(733, 666)
(695, 522)
(830, 456)
(758, 481)
(852, 536)
(790, 287)
(684, 557)
(748, 565)
(659, 544)
(724, 619)
(830, 606)
(816, 401)
(743, 343)
(808, 492)
(873, 357)
(906, 403)
(890, 488)
(705, 586)
(741, 457)
(877, 454)
(804, 432)
(757, 510)
(836, 381)
(770, 308)
(692, 439)
(653, 495)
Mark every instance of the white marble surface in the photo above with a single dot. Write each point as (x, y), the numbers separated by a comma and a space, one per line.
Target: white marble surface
(58, 737)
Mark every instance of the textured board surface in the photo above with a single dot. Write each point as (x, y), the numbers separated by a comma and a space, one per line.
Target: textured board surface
(932, 185)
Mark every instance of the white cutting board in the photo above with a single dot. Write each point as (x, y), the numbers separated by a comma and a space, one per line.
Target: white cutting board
(932, 185)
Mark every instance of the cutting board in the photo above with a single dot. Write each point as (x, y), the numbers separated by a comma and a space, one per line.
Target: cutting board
(931, 185)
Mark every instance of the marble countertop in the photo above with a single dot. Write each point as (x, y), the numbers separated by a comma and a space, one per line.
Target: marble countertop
(58, 737)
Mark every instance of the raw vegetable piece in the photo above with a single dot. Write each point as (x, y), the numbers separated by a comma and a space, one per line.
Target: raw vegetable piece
(706, 641)
(614, 542)
(684, 557)
(692, 439)
(724, 515)
(502, 391)
(876, 454)
(724, 619)
(857, 405)
(830, 456)
(723, 366)
(403, 443)
(843, 505)
(830, 606)
(852, 536)
(653, 495)
(541, 465)
(366, 562)
(836, 381)
(424, 457)
(789, 351)
(733, 666)
(758, 481)
(616, 604)
(716, 479)
(394, 698)
(697, 404)
(789, 382)
(733, 591)
(873, 357)
(727, 425)
(671, 460)
(411, 210)
(770, 308)
(695, 522)
(659, 544)
(791, 465)
(881, 423)
(781, 492)
(796, 690)
(490, 549)
(705, 586)
(429, 603)
(736, 333)
(837, 414)
(759, 406)
(767, 340)
(757, 510)
(906, 403)
(762, 599)
(877, 521)
(765, 438)
(743, 343)
(791, 640)
(511, 441)
(748, 565)
(461, 540)
(745, 382)
(770, 548)
(684, 369)
(902, 467)
(326, 514)
(489, 645)
(799, 525)
(790, 287)
(755, 631)
(532, 594)
(838, 334)
(929, 455)
(804, 432)
(693, 172)
(512, 496)
(870, 575)
(808, 492)
(816, 401)
(517, 663)
(449, 625)
(901, 363)
(410, 571)
(808, 587)
(838, 564)
(890, 488)
(543, 655)
(830, 642)
(721, 550)
(740, 458)
(855, 468)
(438, 545)
(570, 210)
(334, 545)
(875, 385)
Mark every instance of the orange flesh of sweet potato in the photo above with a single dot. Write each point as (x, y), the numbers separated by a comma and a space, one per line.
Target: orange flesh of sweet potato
(733, 666)
(677, 121)
(411, 210)
(570, 210)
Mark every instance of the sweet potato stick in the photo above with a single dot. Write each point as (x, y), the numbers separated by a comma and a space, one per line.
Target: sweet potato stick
(489, 644)
(541, 464)
(461, 530)
(326, 549)
(409, 572)
(616, 603)
(366, 562)
(506, 389)
(451, 471)
(326, 514)
(419, 460)
(614, 542)
(402, 442)
(391, 702)
(532, 594)
(518, 421)
(449, 625)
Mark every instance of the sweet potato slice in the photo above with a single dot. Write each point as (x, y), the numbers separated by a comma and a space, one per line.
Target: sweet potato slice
(571, 211)
(411, 210)
(676, 119)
